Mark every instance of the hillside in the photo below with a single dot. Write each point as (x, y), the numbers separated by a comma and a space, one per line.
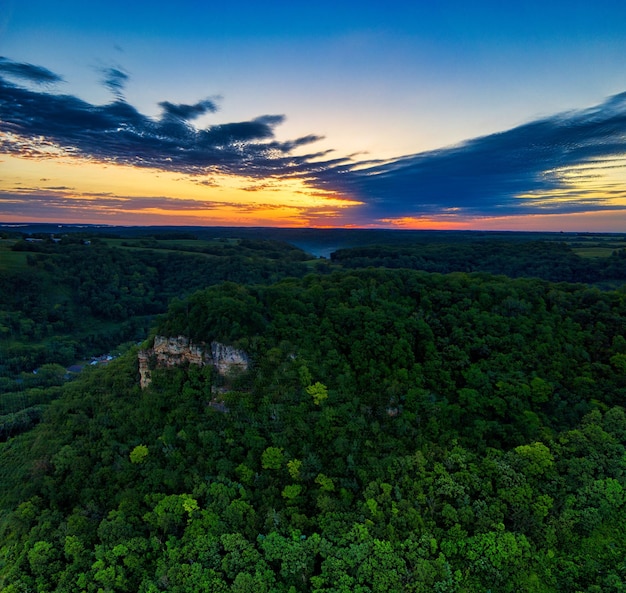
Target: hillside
(396, 430)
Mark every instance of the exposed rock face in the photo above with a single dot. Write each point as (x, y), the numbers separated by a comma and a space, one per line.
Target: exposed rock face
(170, 352)
(226, 358)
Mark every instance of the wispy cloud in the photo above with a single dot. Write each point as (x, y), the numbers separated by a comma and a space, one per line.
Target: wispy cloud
(549, 159)
(48, 203)
(54, 199)
(28, 72)
(119, 133)
(542, 167)
(115, 80)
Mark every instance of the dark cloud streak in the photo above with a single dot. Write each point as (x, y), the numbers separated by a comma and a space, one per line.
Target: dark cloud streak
(486, 176)
(187, 112)
(28, 72)
(115, 80)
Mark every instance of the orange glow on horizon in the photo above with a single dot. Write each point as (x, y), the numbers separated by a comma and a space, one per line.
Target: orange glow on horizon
(425, 223)
(81, 191)
(66, 189)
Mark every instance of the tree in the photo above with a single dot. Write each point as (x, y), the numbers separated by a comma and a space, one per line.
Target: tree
(318, 391)
(139, 454)
(272, 458)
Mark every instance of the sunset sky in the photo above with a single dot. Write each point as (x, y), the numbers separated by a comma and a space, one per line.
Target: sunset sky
(448, 114)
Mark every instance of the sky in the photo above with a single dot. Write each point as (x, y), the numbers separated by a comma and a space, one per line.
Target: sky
(450, 115)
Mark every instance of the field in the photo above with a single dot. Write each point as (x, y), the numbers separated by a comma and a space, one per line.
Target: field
(10, 260)
(597, 245)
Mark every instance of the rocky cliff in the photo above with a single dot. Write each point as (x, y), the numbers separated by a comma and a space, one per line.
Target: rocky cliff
(170, 352)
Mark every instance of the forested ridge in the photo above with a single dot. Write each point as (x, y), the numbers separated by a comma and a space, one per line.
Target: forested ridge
(398, 430)
(72, 298)
(552, 260)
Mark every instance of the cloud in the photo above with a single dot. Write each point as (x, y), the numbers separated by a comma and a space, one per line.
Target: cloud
(28, 72)
(187, 112)
(66, 204)
(59, 199)
(557, 164)
(500, 174)
(115, 80)
(36, 124)
(261, 128)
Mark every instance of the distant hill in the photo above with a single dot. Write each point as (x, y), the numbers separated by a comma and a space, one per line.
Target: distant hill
(320, 242)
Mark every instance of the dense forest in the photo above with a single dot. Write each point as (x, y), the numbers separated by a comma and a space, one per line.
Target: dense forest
(65, 300)
(397, 429)
(551, 260)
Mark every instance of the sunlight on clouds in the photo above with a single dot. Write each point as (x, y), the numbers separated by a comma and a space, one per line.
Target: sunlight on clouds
(597, 184)
(127, 194)
(590, 197)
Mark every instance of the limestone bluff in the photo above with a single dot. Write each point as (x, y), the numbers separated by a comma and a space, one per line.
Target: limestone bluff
(175, 351)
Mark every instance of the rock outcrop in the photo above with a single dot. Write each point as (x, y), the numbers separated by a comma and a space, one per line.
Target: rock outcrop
(171, 352)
